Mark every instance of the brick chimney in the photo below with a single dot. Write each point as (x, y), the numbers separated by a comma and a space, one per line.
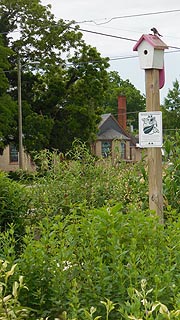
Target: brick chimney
(122, 111)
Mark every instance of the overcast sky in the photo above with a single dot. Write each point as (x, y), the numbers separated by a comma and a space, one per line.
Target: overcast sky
(104, 16)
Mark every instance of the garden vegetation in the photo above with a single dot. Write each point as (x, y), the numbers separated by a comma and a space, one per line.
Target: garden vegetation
(78, 241)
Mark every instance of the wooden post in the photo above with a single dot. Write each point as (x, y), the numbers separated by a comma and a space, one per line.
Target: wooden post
(154, 154)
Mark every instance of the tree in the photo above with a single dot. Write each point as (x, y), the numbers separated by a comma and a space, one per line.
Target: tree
(73, 97)
(135, 100)
(66, 90)
(171, 109)
(8, 108)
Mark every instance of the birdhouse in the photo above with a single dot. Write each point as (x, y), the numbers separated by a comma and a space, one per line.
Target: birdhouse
(151, 51)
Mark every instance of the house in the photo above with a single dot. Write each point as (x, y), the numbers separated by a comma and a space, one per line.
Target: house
(9, 160)
(113, 138)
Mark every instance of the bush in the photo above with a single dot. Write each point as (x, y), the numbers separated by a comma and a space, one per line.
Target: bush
(13, 205)
(22, 176)
(84, 179)
(172, 175)
(90, 238)
(90, 255)
(10, 307)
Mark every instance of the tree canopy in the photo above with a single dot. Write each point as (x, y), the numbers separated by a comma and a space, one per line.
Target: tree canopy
(66, 85)
(63, 79)
(171, 109)
(135, 100)
(7, 105)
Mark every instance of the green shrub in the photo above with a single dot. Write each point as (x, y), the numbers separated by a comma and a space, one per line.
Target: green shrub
(13, 205)
(84, 179)
(80, 259)
(87, 236)
(10, 307)
(22, 176)
(171, 177)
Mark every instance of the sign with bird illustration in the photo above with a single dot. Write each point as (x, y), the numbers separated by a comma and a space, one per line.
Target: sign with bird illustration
(150, 129)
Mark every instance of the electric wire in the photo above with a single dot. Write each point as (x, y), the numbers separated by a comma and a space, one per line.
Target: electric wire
(106, 34)
(118, 37)
(96, 61)
(112, 36)
(129, 16)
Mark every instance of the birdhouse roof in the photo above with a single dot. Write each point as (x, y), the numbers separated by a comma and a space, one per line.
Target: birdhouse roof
(153, 40)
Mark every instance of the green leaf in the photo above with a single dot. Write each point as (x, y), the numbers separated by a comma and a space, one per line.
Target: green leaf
(10, 273)
(15, 289)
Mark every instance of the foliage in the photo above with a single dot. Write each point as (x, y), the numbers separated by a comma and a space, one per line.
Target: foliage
(13, 205)
(10, 307)
(135, 101)
(8, 112)
(141, 307)
(90, 240)
(171, 109)
(75, 261)
(64, 93)
(65, 82)
(100, 182)
(4, 64)
(8, 109)
(172, 173)
(34, 140)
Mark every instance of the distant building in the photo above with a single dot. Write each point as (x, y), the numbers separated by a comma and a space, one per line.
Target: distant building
(9, 160)
(113, 140)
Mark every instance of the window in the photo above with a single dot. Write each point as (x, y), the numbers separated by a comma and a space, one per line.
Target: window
(123, 150)
(13, 153)
(105, 148)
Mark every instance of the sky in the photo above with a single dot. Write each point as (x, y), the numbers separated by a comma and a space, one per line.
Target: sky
(128, 19)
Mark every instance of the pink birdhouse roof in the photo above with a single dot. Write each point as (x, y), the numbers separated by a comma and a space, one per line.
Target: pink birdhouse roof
(154, 40)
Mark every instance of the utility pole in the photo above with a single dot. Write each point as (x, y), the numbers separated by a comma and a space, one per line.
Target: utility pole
(21, 164)
(154, 154)
(151, 56)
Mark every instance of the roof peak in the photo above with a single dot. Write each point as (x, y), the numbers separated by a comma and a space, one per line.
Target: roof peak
(153, 40)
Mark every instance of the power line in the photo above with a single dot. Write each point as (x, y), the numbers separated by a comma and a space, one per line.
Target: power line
(110, 59)
(114, 36)
(115, 18)
(106, 35)
(129, 16)
(90, 31)
(173, 51)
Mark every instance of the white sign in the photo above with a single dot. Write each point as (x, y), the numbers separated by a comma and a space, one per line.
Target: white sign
(150, 129)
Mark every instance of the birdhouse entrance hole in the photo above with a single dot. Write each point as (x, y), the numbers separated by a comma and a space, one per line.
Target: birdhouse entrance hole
(145, 52)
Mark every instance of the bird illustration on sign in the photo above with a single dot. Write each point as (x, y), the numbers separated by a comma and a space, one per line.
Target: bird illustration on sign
(150, 125)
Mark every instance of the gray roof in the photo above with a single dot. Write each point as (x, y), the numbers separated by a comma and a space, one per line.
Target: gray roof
(112, 134)
(109, 129)
(104, 117)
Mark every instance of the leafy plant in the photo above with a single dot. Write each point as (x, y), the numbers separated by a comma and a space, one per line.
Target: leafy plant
(13, 205)
(71, 262)
(10, 307)
(90, 237)
(172, 174)
(141, 307)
